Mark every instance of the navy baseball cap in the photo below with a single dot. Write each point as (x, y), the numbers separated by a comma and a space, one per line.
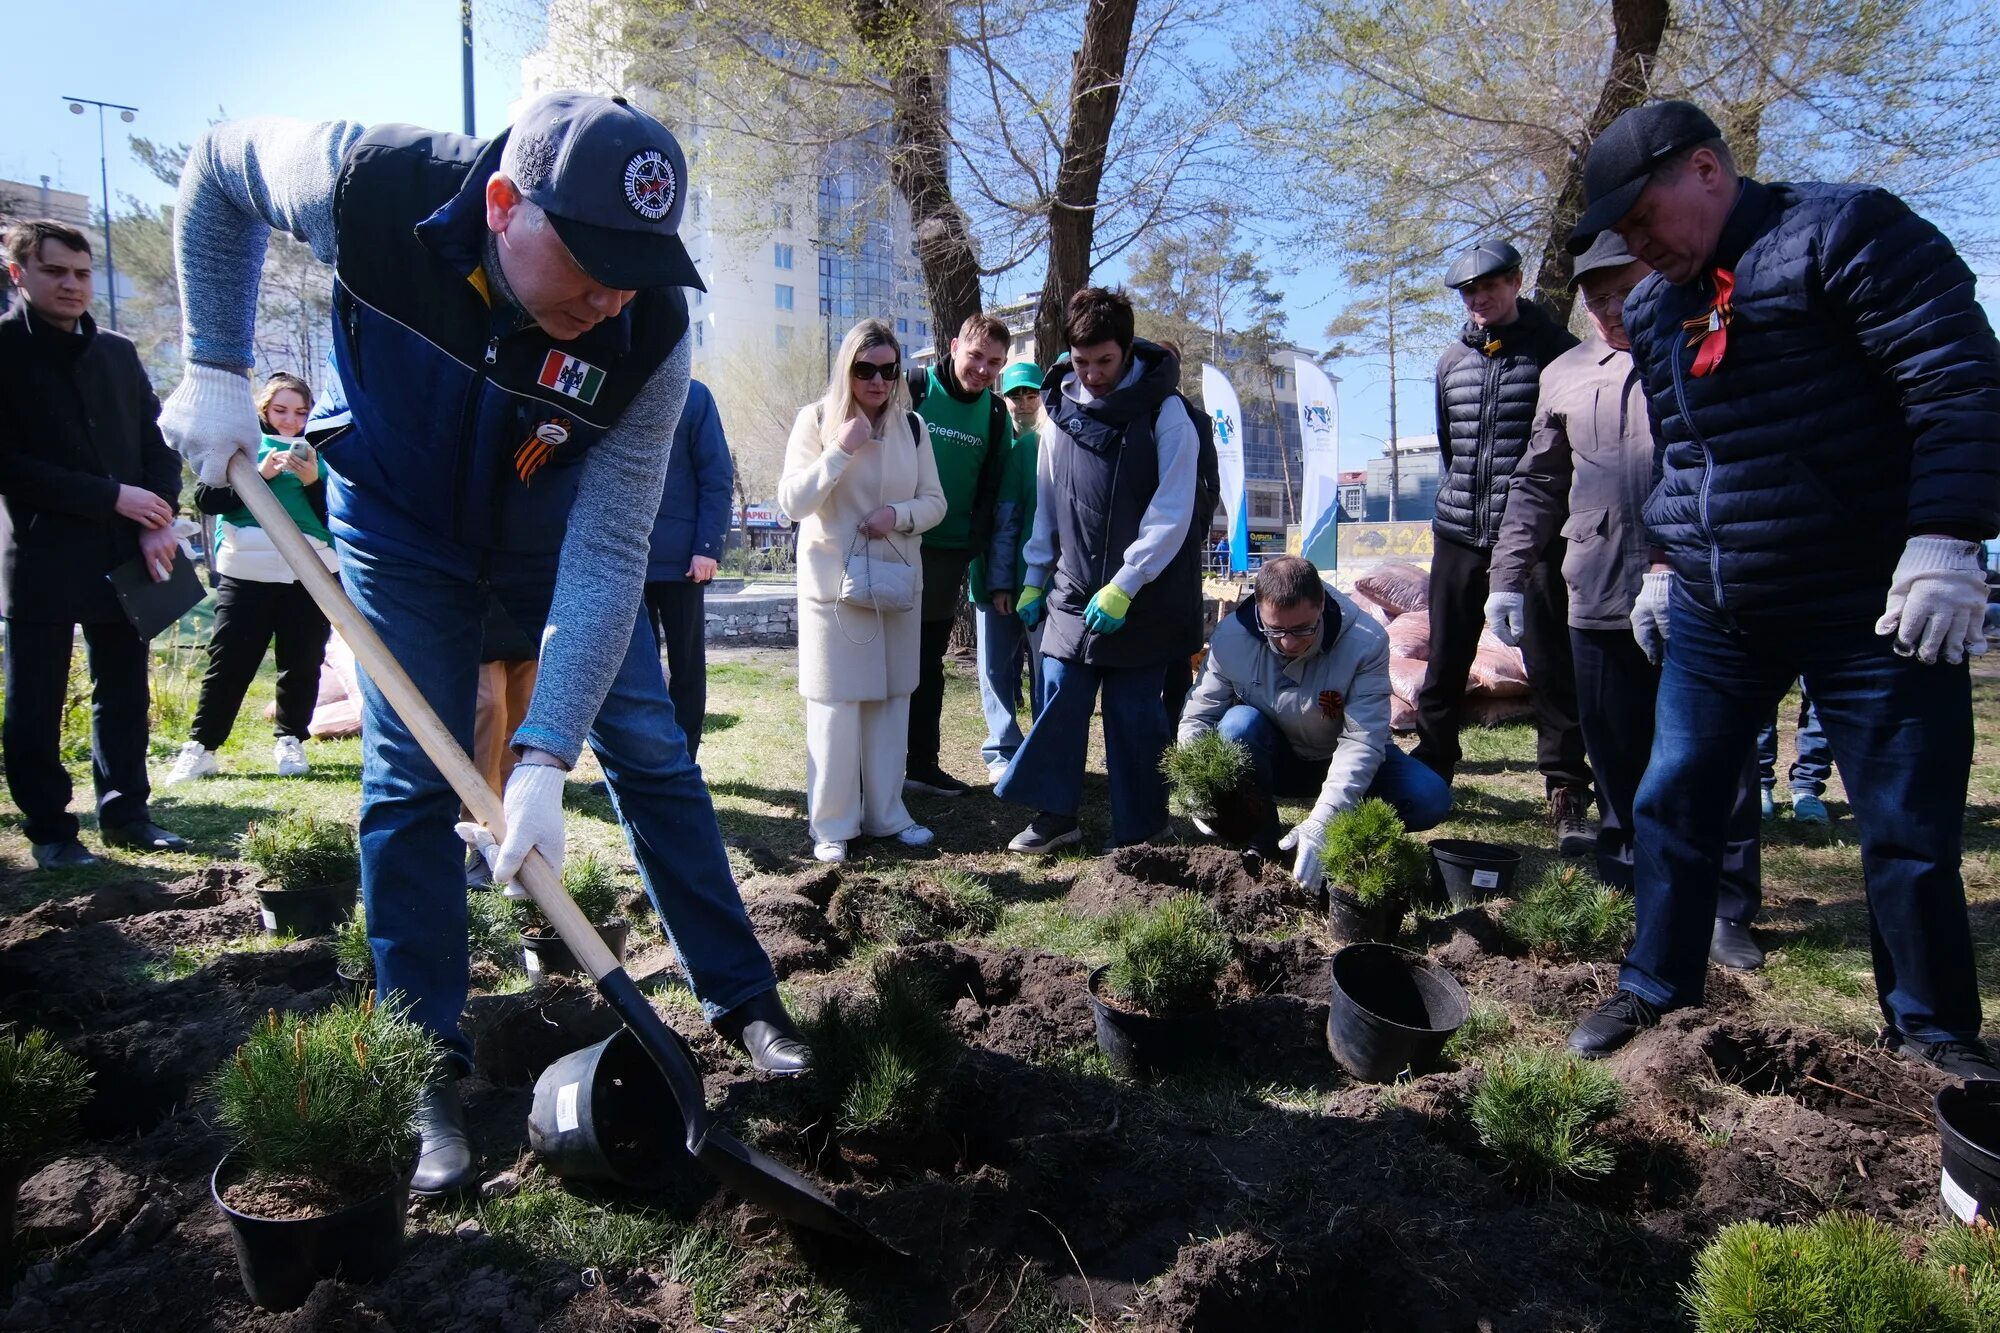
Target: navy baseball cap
(1625, 157)
(613, 182)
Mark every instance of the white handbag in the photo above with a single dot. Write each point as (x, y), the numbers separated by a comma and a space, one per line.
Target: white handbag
(880, 585)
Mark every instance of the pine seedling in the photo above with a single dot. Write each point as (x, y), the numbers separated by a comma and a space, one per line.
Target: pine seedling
(1754, 1278)
(1369, 856)
(1170, 959)
(1203, 771)
(493, 926)
(886, 1060)
(299, 851)
(42, 1087)
(353, 955)
(589, 881)
(1872, 1284)
(331, 1096)
(1969, 1258)
(1841, 1273)
(1568, 914)
(1538, 1111)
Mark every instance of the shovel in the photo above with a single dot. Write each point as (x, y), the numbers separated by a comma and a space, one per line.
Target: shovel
(741, 1168)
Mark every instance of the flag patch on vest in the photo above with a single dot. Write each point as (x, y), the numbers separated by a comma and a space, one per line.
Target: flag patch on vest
(567, 375)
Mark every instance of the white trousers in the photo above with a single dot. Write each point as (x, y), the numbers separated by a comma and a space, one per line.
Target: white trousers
(854, 768)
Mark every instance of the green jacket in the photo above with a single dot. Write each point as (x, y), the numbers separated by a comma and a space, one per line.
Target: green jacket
(1013, 520)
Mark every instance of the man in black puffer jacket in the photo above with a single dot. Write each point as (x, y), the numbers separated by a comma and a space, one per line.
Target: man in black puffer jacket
(1488, 383)
(1825, 395)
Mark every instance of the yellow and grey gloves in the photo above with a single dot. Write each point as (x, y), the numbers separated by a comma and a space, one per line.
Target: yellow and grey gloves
(1030, 606)
(1307, 840)
(1506, 616)
(1107, 610)
(209, 419)
(1937, 601)
(1649, 614)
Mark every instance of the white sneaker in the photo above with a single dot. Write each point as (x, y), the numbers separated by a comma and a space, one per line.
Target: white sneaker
(834, 852)
(193, 762)
(916, 835)
(996, 771)
(289, 754)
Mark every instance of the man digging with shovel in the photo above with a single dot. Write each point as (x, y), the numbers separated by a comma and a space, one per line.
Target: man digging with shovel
(510, 356)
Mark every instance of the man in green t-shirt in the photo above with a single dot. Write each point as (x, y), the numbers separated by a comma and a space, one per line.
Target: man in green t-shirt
(1005, 644)
(970, 438)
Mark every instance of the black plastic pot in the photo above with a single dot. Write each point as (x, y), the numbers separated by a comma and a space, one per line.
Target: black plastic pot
(1138, 1044)
(280, 1259)
(362, 983)
(606, 1113)
(1392, 1010)
(1243, 815)
(1968, 1120)
(1352, 921)
(547, 956)
(1466, 871)
(309, 911)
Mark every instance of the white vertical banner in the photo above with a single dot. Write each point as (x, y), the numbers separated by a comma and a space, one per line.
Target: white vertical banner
(1319, 435)
(1219, 398)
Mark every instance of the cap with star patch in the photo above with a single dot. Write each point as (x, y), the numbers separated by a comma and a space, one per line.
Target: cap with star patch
(613, 181)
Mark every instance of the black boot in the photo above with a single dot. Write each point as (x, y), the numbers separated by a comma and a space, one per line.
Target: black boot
(445, 1164)
(1731, 945)
(767, 1035)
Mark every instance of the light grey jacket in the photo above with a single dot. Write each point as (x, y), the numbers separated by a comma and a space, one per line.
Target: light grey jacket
(1330, 703)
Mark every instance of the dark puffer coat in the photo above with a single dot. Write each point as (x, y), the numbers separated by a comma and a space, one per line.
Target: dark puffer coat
(1857, 403)
(1487, 386)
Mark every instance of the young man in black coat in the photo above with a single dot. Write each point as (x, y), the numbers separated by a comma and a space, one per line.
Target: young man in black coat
(89, 485)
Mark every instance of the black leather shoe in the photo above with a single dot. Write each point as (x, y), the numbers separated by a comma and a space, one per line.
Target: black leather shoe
(1612, 1024)
(1734, 947)
(65, 855)
(143, 837)
(767, 1035)
(1969, 1060)
(445, 1164)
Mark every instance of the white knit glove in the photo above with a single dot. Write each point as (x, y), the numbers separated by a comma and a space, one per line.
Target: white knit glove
(209, 419)
(533, 809)
(1649, 614)
(1308, 839)
(1507, 616)
(1937, 601)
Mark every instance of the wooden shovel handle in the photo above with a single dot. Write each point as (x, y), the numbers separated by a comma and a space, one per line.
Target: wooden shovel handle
(537, 876)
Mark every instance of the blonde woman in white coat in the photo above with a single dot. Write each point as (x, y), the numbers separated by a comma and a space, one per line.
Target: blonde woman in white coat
(859, 478)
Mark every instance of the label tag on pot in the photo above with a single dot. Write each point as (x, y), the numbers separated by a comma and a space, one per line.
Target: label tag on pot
(1962, 1205)
(566, 1109)
(531, 962)
(270, 921)
(1485, 879)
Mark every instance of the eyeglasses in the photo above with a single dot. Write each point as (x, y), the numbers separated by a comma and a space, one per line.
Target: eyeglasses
(868, 370)
(1277, 632)
(1605, 302)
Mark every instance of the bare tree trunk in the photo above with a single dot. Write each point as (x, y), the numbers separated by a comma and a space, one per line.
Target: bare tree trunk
(1637, 28)
(1097, 80)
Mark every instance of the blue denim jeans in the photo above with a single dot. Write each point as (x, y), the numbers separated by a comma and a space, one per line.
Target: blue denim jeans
(1422, 798)
(412, 877)
(1815, 762)
(1047, 772)
(1902, 734)
(1006, 647)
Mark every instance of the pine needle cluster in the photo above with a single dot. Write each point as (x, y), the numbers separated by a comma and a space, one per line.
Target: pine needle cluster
(1568, 914)
(1170, 958)
(886, 1060)
(1538, 1111)
(42, 1087)
(298, 851)
(1203, 771)
(1370, 857)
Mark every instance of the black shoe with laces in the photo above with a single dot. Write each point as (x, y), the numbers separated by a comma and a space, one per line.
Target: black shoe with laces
(1612, 1024)
(1969, 1060)
(933, 781)
(1569, 811)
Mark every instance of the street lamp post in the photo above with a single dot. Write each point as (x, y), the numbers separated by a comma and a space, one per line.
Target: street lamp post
(465, 58)
(125, 113)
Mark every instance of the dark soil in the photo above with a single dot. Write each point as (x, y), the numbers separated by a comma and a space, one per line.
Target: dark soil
(1261, 1191)
(292, 1197)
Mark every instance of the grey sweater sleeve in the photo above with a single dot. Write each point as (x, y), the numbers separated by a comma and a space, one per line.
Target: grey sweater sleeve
(601, 575)
(242, 178)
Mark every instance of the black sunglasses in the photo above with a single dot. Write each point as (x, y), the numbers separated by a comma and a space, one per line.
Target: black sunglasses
(868, 370)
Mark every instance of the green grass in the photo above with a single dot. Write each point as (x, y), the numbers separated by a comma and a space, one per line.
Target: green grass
(184, 960)
(612, 1234)
(1568, 914)
(1486, 1025)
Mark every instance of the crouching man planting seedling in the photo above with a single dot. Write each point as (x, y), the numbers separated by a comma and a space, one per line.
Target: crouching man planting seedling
(1300, 678)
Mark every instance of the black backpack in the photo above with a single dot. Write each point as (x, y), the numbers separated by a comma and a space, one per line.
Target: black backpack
(1208, 472)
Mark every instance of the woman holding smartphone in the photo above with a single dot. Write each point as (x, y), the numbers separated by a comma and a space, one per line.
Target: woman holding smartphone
(257, 597)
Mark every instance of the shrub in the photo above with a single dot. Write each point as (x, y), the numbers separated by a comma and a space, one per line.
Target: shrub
(332, 1097)
(1840, 1272)
(301, 851)
(1969, 1258)
(1203, 771)
(1568, 913)
(886, 1061)
(590, 883)
(1369, 856)
(42, 1087)
(493, 926)
(1169, 960)
(1538, 1111)
(353, 955)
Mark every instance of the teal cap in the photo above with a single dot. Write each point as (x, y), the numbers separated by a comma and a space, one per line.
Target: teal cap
(1021, 375)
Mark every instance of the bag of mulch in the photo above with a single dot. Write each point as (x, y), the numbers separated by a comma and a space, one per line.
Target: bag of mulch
(1397, 585)
(1498, 672)
(1381, 614)
(1402, 714)
(1410, 636)
(1498, 712)
(1406, 676)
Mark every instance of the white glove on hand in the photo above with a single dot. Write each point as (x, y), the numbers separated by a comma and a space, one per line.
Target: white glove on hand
(209, 419)
(1937, 601)
(1507, 616)
(1308, 840)
(533, 810)
(1649, 614)
(480, 839)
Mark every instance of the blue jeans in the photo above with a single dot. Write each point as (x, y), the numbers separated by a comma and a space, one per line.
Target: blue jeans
(1006, 646)
(1047, 772)
(1617, 691)
(412, 864)
(1422, 798)
(1815, 762)
(1902, 733)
